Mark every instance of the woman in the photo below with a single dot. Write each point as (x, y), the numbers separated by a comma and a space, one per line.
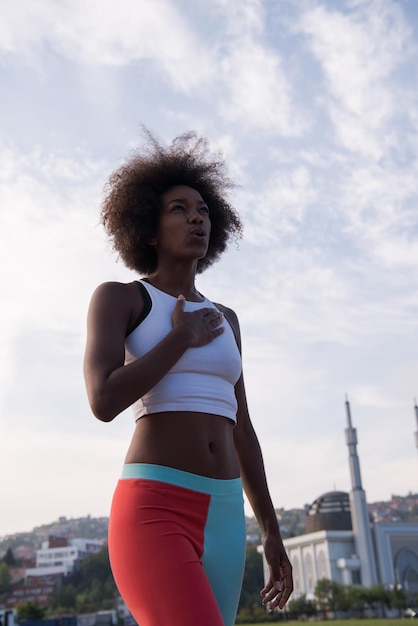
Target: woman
(177, 527)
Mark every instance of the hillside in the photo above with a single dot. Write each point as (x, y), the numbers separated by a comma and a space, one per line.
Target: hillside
(292, 523)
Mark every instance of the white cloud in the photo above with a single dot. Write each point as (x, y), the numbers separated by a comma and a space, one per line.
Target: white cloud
(109, 33)
(50, 245)
(259, 92)
(280, 206)
(359, 51)
(365, 396)
(248, 84)
(24, 25)
(246, 18)
(380, 212)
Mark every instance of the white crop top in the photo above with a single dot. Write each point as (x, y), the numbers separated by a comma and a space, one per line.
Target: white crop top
(202, 380)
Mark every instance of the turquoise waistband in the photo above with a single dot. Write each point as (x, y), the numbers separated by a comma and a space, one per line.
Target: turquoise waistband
(180, 478)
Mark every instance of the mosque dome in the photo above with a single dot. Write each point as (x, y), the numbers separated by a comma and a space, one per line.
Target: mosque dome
(331, 511)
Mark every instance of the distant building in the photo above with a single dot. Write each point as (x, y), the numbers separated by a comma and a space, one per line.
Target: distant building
(63, 554)
(40, 592)
(57, 558)
(344, 544)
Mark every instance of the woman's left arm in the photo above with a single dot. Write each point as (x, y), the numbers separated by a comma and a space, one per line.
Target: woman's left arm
(280, 585)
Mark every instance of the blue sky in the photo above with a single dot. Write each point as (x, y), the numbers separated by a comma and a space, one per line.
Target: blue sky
(314, 104)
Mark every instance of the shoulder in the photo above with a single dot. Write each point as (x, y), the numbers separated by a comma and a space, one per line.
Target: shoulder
(116, 292)
(117, 300)
(232, 318)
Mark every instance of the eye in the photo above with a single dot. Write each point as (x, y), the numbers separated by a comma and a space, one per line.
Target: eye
(204, 209)
(177, 207)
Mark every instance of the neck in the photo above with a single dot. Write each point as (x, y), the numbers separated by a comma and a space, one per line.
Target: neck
(175, 283)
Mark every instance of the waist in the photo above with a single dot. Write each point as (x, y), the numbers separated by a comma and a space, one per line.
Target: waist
(199, 443)
(180, 478)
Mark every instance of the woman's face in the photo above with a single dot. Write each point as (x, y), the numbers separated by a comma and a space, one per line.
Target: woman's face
(184, 225)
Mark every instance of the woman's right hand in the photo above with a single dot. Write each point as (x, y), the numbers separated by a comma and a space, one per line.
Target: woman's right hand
(204, 324)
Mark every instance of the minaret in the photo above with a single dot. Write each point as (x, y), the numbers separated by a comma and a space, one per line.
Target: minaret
(359, 511)
(416, 415)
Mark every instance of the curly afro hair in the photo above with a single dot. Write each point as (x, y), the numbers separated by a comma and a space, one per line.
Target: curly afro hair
(130, 210)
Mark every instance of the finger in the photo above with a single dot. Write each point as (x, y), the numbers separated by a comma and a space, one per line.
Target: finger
(279, 595)
(179, 307)
(214, 324)
(285, 597)
(215, 332)
(266, 589)
(212, 320)
(271, 593)
(211, 313)
(280, 600)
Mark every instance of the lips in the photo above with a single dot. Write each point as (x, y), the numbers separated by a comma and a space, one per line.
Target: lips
(198, 232)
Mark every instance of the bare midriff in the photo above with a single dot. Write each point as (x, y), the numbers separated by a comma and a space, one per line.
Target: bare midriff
(200, 443)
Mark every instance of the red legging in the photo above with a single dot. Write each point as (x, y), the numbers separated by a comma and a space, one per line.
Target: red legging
(177, 546)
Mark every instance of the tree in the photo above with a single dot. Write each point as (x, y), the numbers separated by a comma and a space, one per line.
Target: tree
(97, 566)
(397, 597)
(5, 577)
(9, 558)
(378, 597)
(327, 593)
(30, 610)
(88, 589)
(64, 596)
(302, 606)
(357, 597)
(340, 597)
(253, 579)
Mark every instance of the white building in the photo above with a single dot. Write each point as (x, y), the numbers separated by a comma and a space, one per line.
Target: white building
(344, 545)
(60, 555)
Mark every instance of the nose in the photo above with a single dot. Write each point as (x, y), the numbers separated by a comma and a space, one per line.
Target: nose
(195, 216)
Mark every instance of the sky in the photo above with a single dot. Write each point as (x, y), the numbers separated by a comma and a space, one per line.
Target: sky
(314, 105)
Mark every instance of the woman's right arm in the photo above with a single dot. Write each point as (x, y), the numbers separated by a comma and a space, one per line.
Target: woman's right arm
(113, 386)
